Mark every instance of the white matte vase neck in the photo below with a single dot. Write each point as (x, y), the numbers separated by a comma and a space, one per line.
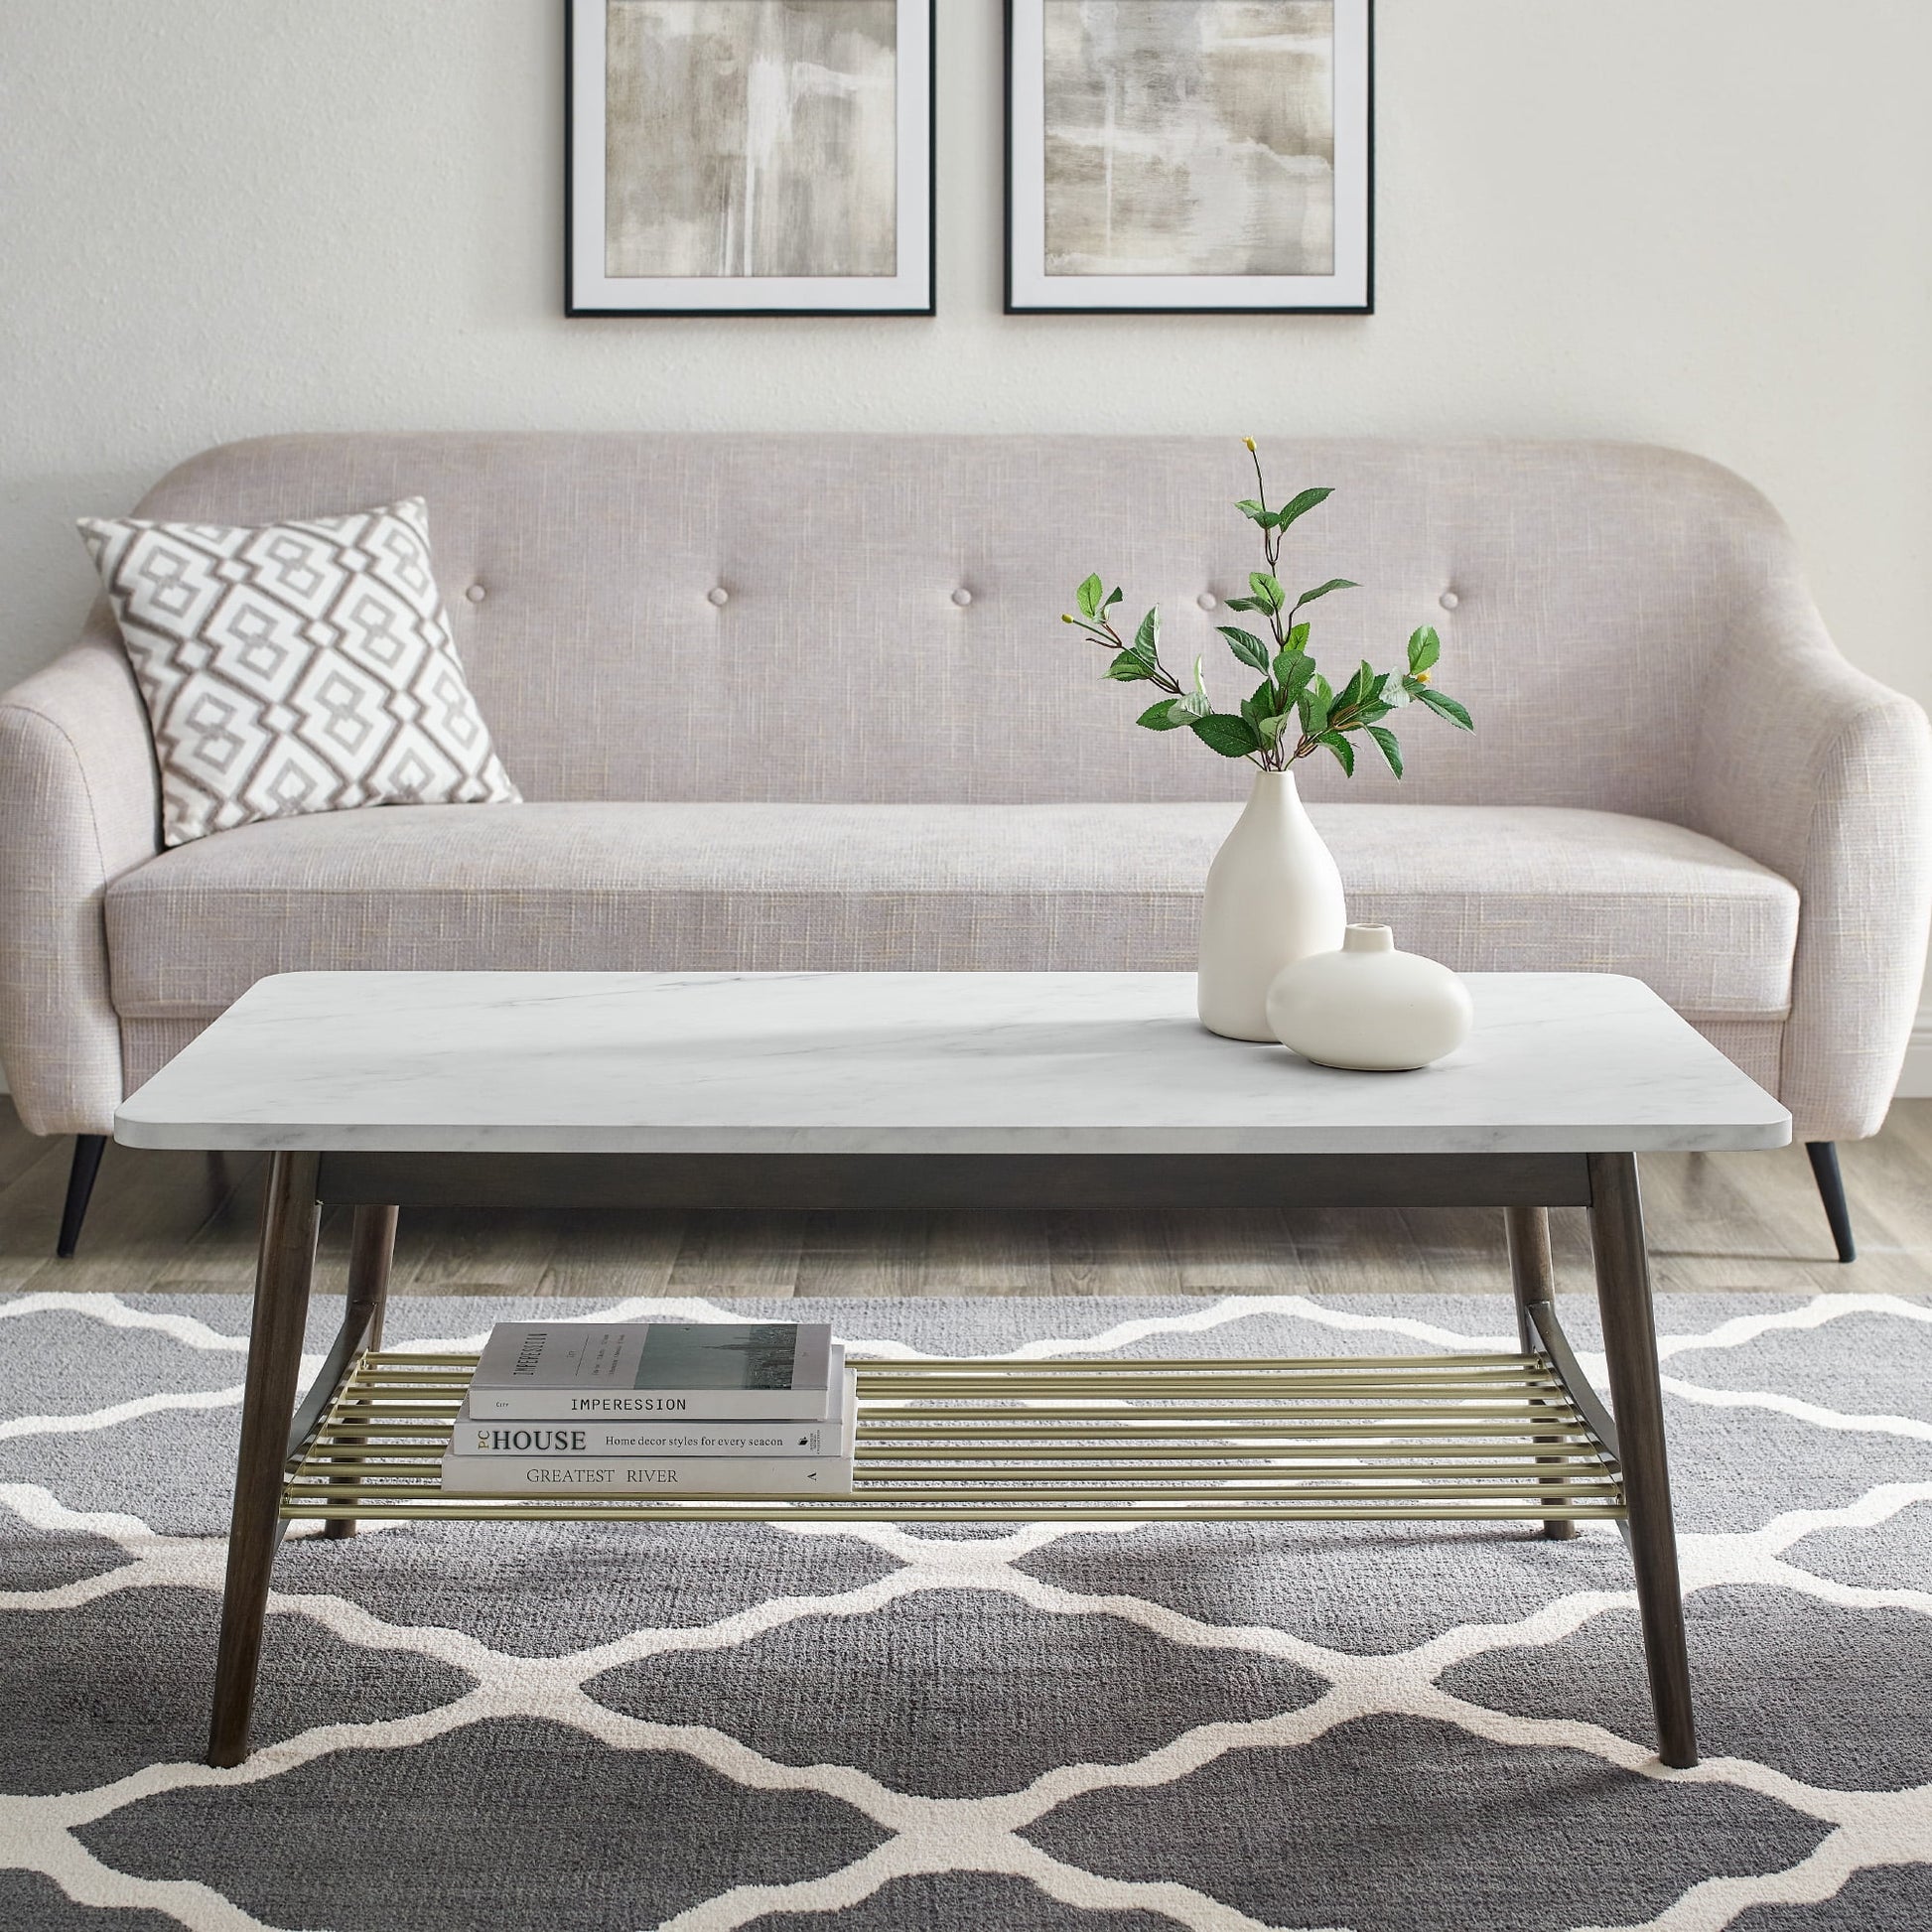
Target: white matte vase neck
(1273, 896)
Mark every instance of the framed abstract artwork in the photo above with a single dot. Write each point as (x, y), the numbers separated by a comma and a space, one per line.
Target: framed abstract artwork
(749, 157)
(1189, 156)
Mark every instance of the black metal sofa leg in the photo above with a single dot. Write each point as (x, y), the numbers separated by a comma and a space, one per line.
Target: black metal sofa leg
(88, 1149)
(1830, 1190)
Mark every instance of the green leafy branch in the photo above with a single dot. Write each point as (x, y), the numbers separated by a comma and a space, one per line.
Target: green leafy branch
(1295, 710)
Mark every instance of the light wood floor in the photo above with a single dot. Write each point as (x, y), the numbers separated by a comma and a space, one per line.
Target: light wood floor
(182, 1223)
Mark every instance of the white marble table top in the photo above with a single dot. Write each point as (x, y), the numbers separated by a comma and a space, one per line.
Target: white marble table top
(916, 1064)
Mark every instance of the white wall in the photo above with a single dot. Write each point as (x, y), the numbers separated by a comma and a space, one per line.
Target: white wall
(1694, 221)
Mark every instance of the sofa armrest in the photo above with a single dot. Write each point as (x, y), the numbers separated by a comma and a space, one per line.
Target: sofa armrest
(1824, 774)
(80, 805)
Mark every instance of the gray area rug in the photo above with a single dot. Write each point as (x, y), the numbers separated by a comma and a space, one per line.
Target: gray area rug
(701, 1729)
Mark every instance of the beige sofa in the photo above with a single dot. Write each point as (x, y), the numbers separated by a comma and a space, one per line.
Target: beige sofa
(806, 703)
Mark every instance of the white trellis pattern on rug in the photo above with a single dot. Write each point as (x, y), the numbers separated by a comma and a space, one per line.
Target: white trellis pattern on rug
(1856, 1831)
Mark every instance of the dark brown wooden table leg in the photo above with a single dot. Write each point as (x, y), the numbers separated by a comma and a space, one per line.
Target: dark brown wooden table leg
(371, 1246)
(282, 1276)
(1630, 1344)
(1533, 1276)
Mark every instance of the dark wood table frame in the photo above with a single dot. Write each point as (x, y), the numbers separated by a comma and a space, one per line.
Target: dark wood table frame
(375, 1185)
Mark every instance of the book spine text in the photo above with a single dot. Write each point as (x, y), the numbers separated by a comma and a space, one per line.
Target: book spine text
(587, 1475)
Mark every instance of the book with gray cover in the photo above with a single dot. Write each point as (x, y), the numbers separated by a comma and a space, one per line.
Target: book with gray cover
(675, 1371)
(669, 1476)
(510, 1436)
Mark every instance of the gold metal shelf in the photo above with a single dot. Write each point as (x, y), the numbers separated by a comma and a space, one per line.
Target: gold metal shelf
(1407, 1438)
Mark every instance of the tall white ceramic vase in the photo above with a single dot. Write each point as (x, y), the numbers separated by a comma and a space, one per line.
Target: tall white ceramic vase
(1274, 896)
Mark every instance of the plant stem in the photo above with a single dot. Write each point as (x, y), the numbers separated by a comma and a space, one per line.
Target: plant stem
(1105, 636)
(1270, 545)
(1271, 551)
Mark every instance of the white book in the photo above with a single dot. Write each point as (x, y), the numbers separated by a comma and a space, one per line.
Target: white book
(669, 1476)
(661, 1371)
(510, 1437)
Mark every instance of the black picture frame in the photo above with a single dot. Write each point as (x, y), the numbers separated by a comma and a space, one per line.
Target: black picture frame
(1364, 305)
(579, 284)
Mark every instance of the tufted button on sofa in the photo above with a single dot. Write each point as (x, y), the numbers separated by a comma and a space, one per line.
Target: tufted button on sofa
(1675, 774)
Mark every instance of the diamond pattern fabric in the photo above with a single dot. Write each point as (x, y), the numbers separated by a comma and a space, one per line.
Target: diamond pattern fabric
(295, 668)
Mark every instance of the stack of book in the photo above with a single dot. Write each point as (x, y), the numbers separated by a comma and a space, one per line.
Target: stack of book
(656, 1408)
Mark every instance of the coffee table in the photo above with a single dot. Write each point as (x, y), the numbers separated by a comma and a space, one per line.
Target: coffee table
(941, 1090)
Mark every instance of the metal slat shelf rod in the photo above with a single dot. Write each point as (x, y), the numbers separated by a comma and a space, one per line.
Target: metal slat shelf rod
(1490, 1438)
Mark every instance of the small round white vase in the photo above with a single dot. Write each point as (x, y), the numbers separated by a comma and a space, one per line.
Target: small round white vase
(1370, 1007)
(1273, 895)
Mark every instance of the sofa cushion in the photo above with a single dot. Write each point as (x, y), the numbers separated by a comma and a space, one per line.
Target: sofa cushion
(295, 668)
(633, 592)
(799, 888)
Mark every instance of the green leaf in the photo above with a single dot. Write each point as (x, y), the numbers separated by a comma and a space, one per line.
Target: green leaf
(1298, 637)
(1343, 750)
(1322, 590)
(1244, 604)
(1129, 667)
(1246, 646)
(1160, 717)
(1196, 704)
(1356, 689)
(1253, 512)
(1446, 707)
(1233, 737)
(1292, 670)
(1270, 727)
(1390, 748)
(1300, 505)
(1269, 594)
(1261, 705)
(1424, 648)
(1089, 595)
(1147, 639)
(1314, 704)
(1113, 597)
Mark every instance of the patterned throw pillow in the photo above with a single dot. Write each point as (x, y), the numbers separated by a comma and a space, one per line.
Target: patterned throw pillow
(295, 668)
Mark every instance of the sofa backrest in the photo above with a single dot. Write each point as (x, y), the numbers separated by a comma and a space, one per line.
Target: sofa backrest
(877, 618)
